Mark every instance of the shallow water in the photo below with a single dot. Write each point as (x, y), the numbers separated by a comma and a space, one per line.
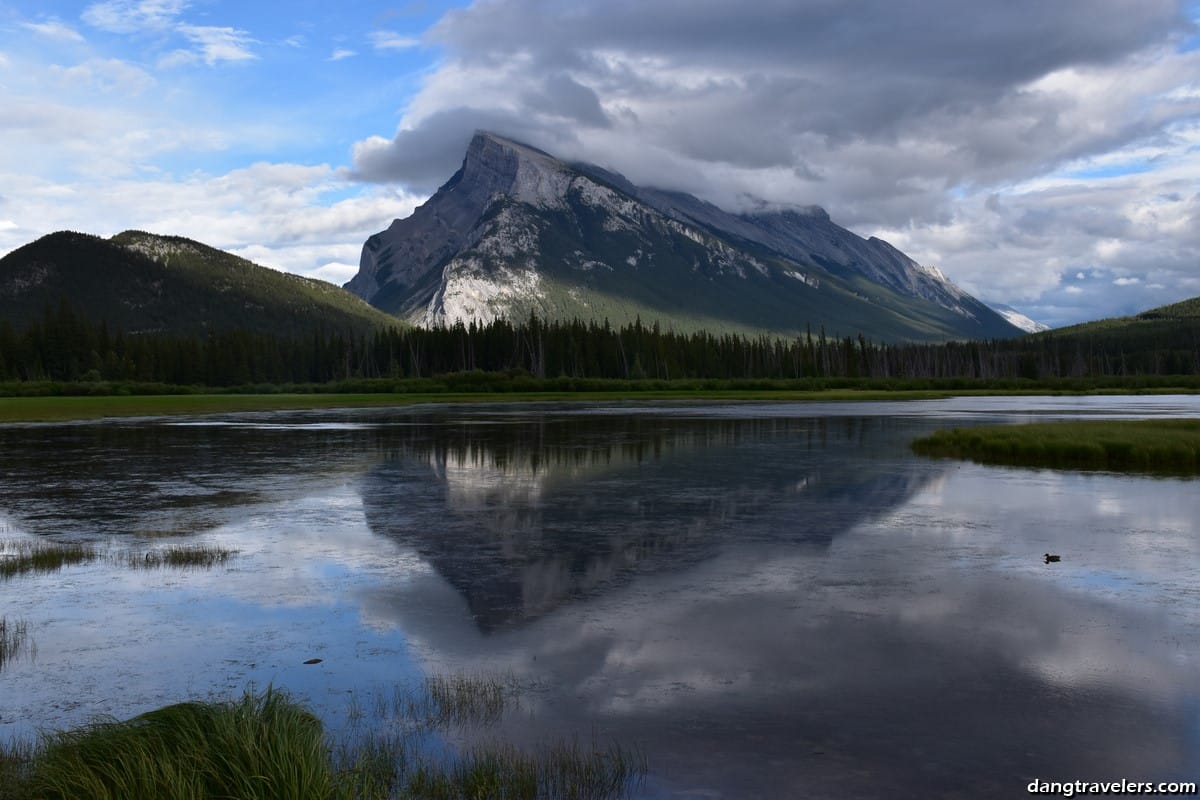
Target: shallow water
(770, 600)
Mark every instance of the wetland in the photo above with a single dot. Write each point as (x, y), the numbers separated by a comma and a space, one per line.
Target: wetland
(764, 600)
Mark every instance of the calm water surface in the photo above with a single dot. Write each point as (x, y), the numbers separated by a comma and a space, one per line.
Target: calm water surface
(772, 601)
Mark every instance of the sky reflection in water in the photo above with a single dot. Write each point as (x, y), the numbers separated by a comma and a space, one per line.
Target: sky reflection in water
(774, 601)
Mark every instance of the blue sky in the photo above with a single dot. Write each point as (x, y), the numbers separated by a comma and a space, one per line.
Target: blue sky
(1042, 155)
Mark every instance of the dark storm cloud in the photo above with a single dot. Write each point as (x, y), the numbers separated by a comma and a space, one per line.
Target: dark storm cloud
(889, 114)
(562, 96)
(845, 72)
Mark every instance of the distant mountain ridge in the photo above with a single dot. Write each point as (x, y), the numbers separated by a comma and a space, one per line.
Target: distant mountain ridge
(1018, 319)
(516, 231)
(144, 283)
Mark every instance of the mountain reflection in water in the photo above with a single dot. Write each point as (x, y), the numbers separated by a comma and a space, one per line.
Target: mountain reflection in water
(522, 517)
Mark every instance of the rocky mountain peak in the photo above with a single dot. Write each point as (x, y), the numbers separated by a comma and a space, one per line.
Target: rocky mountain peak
(496, 165)
(517, 231)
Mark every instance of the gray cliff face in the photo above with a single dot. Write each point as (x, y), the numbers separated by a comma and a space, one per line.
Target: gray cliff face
(400, 268)
(516, 231)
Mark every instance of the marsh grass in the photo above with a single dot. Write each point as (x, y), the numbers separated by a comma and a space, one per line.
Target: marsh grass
(395, 755)
(465, 699)
(1157, 447)
(268, 746)
(16, 759)
(448, 700)
(561, 771)
(21, 557)
(15, 641)
(263, 746)
(180, 557)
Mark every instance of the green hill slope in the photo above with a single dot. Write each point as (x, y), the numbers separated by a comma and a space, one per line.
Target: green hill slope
(1164, 340)
(144, 283)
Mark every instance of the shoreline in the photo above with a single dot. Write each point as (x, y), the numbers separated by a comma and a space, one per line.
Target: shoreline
(60, 408)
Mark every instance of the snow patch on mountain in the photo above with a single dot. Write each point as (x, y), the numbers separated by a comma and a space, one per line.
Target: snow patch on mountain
(1019, 320)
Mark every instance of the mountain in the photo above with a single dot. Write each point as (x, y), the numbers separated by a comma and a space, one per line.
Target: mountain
(1018, 319)
(516, 231)
(142, 283)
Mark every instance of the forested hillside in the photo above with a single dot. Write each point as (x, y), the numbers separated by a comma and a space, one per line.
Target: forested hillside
(64, 346)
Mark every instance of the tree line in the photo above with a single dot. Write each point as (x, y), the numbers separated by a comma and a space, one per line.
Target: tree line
(65, 346)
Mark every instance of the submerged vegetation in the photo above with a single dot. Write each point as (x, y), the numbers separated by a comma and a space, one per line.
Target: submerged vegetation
(450, 700)
(268, 746)
(14, 640)
(18, 558)
(180, 556)
(22, 557)
(1159, 446)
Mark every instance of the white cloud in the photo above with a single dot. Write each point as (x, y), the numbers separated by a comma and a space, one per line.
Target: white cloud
(1126, 281)
(341, 54)
(105, 75)
(335, 272)
(54, 30)
(211, 44)
(278, 215)
(216, 44)
(390, 40)
(129, 16)
(177, 58)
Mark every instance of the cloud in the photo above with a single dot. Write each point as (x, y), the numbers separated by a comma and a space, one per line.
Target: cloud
(107, 75)
(901, 120)
(209, 43)
(215, 44)
(130, 16)
(54, 30)
(390, 40)
(341, 54)
(294, 217)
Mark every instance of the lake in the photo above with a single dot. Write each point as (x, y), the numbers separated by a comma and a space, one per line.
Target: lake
(769, 600)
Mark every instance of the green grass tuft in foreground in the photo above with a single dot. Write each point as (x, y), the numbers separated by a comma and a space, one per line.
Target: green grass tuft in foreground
(1156, 447)
(269, 747)
(263, 747)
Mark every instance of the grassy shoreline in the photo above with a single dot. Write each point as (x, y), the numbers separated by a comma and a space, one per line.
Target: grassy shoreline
(270, 746)
(1153, 447)
(59, 408)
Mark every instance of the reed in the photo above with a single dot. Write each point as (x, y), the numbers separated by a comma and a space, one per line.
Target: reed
(459, 699)
(15, 641)
(21, 557)
(180, 557)
(1158, 447)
